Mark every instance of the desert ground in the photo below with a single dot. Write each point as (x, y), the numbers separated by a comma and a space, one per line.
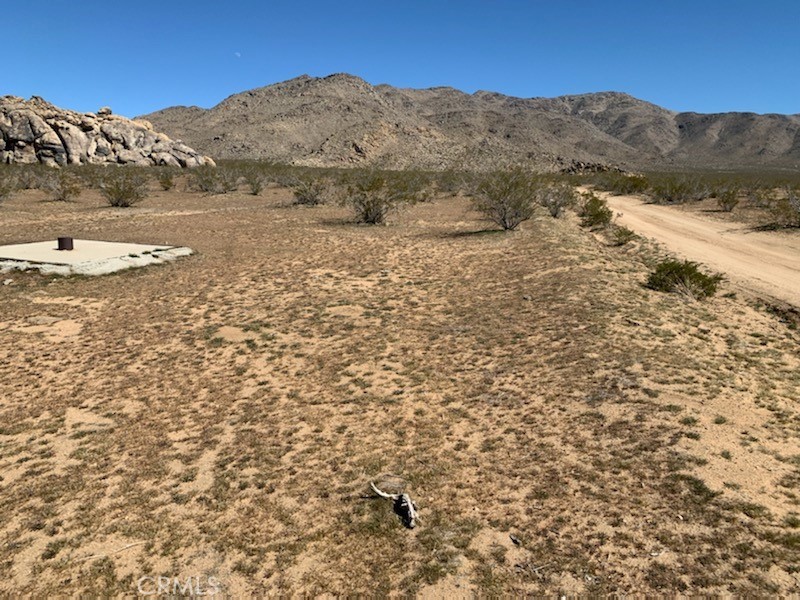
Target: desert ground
(764, 262)
(562, 428)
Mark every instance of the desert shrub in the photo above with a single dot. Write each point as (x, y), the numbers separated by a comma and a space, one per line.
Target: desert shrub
(786, 210)
(678, 190)
(727, 197)
(228, 179)
(8, 183)
(760, 196)
(63, 185)
(123, 186)
(507, 198)
(556, 198)
(166, 178)
(205, 179)
(683, 277)
(621, 235)
(373, 195)
(452, 182)
(254, 179)
(594, 212)
(621, 183)
(310, 192)
(90, 176)
(32, 177)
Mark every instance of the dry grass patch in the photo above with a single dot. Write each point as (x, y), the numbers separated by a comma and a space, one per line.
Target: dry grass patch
(524, 386)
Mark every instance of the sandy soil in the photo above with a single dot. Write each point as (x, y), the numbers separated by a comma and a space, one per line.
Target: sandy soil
(765, 262)
(222, 416)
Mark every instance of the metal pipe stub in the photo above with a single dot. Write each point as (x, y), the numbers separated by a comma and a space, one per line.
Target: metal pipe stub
(65, 243)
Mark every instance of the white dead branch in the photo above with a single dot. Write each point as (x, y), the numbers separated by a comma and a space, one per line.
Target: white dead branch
(403, 505)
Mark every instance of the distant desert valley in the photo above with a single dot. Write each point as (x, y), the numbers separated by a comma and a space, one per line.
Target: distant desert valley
(332, 338)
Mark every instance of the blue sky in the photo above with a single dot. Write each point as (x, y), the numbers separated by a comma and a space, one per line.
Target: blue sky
(705, 56)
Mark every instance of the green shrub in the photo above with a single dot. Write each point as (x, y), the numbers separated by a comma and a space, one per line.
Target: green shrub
(594, 212)
(166, 178)
(373, 195)
(8, 184)
(123, 187)
(621, 235)
(727, 197)
(760, 197)
(214, 180)
(786, 210)
(556, 198)
(678, 190)
(507, 198)
(621, 183)
(683, 277)
(309, 192)
(63, 185)
(254, 179)
(31, 177)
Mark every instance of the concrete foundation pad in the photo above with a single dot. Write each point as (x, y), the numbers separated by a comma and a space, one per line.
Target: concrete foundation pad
(88, 257)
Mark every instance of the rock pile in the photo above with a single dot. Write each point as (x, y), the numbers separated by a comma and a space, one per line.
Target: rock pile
(34, 131)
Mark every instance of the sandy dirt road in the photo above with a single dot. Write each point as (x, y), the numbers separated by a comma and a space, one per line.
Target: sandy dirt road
(764, 262)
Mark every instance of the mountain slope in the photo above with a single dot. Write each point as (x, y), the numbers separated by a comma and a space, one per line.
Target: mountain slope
(341, 120)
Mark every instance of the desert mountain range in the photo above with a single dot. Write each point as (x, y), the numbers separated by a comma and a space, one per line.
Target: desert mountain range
(341, 120)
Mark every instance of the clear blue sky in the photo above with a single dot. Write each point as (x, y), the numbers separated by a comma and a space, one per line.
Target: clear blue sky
(701, 55)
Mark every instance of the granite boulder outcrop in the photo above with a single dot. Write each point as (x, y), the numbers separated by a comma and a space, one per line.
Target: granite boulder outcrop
(35, 131)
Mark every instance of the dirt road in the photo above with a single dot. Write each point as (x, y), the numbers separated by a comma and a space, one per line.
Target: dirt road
(765, 262)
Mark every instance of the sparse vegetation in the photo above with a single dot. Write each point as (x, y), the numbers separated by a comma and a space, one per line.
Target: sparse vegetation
(728, 197)
(8, 184)
(621, 183)
(373, 195)
(675, 189)
(556, 198)
(684, 277)
(63, 185)
(348, 366)
(166, 178)
(207, 179)
(122, 187)
(507, 198)
(786, 209)
(621, 235)
(254, 179)
(594, 212)
(310, 192)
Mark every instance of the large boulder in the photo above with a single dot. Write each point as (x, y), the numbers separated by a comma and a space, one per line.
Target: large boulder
(36, 131)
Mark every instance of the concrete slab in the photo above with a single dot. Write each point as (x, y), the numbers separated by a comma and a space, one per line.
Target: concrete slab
(88, 257)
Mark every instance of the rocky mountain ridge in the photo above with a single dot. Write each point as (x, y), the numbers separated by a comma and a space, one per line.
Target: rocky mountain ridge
(341, 120)
(34, 131)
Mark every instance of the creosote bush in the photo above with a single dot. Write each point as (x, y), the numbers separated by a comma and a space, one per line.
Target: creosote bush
(254, 178)
(594, 212)
(556, 198)
(310, 192)
(373, 195)
(123, 187)
(621, 235)
(678, 189)
(8, 184)
(214, 180)
(63, 186)
(683, 277)
(727, 197)
(621, 183)
(507, 198)
(166, 178)
(786, 210)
